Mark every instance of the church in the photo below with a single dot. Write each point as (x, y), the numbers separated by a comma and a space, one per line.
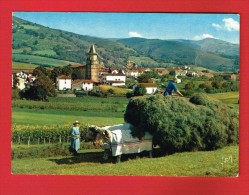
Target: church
(94, 74)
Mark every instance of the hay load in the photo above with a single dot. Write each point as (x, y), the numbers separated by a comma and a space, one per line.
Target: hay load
(179, 124)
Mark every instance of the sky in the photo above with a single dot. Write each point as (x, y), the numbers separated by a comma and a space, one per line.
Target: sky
(189, 26)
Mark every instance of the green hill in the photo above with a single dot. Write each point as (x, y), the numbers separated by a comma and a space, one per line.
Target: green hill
(34, 44)
(188, 52)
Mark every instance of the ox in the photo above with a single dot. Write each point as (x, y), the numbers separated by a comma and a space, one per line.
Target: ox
(117, 140)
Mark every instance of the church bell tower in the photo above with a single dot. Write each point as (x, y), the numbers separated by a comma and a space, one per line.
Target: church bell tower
(92, 65)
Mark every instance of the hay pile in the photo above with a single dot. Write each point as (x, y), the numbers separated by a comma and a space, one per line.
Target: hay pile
(180, 124)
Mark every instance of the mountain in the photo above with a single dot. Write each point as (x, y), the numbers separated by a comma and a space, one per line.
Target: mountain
(39, 45)
(209, 53)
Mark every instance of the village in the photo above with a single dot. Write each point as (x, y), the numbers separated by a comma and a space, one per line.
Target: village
(113, 95)
(94, 73)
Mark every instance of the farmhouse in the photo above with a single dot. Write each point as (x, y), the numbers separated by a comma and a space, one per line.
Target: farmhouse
(64, 82)
(82, 84)
(151, 88)
(161, 71)
(133, 73)
(136, 72)
(22, 79)
(114, 79)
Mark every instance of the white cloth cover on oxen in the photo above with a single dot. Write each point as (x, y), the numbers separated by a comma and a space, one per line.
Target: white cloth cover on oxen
(122, 141)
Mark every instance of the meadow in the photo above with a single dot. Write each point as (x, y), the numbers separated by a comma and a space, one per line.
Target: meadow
(87, 110)
(221, 163)
(39, 60)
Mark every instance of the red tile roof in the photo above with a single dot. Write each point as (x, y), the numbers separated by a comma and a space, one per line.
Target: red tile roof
(147, 84)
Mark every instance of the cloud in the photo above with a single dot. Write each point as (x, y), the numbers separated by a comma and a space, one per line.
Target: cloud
(203, 36)
(217, 26)
(231, 24)
(134, 34)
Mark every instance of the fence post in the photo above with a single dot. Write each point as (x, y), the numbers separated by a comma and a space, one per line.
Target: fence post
(60, 139)
(29, 141)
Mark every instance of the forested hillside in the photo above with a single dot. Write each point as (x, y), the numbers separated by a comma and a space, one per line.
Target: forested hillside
(34, 44)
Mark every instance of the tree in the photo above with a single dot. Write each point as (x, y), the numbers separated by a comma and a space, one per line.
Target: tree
(144, 78)
(41, 88)
(78, 74)
(40, 70)
(216, 84)
(66, 70)
(190, 86)
(55, 73)
(140, 90)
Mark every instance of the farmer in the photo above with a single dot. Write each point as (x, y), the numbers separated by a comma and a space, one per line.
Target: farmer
(171, 87)
(75, 138)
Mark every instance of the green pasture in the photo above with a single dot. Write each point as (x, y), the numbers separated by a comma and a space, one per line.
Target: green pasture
(39, 60)
(88, 110)
(229, 98)
(44, 52)
(23, 66)
(222, 162)
(58, 117)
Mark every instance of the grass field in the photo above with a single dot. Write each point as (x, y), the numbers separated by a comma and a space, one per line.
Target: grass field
(229, 98)
(23, 66)
(54, 117)
(222, 162)
(38, 60)
(96, 111)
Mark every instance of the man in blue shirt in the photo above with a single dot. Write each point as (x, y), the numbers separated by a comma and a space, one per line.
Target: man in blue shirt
(171, 87)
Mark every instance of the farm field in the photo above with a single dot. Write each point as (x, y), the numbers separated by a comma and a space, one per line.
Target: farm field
(23, 66)
(97, 111)
(229, 98)
(222, 162)
(38, 60)
(103, 112)
(56, 117)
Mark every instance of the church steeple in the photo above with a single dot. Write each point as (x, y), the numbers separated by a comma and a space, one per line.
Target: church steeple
(92, 65)
(92, 50)
(92, 54)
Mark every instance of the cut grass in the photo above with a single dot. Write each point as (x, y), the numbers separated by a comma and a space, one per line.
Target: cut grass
(222, 163)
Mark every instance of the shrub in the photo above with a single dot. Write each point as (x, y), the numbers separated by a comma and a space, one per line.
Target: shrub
(140, 90)
(15, 94)
(178, 124)
(41, 151)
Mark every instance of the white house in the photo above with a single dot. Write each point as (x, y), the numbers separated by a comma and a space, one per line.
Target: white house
(21, 83)
(87, 85)
(114, 79)
(81, 84)
(133, 73)
(194, 74)
(151, 88)
(64, 82)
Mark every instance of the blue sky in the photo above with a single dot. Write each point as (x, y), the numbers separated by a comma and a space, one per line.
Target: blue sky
(146, 25)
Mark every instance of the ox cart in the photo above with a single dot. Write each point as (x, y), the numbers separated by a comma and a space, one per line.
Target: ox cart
(117, 140)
